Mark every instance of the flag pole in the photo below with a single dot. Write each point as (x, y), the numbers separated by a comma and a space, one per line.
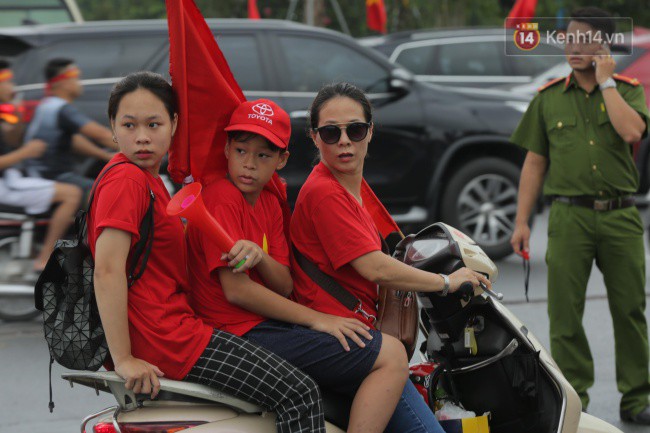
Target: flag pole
(340, 16)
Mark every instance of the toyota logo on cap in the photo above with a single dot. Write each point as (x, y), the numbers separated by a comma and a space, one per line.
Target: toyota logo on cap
(263, 109)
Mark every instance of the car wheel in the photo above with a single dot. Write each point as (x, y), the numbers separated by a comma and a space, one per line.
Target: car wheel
(481, 200)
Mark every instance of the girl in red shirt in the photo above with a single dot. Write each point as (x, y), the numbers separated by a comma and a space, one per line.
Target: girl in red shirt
(332, 229)
(150, 329)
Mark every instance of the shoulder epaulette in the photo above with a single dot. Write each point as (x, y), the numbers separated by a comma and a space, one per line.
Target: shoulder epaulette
(628, 80)
(550, 83)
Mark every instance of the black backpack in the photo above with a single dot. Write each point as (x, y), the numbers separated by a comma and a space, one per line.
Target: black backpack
(65, 294)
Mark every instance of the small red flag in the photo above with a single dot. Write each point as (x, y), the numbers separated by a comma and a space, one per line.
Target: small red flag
(382, 219)
(253, 12)
(207, 94)
(522, 11)
(376, 15)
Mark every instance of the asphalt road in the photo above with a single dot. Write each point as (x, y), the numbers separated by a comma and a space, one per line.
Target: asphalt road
(24, 359)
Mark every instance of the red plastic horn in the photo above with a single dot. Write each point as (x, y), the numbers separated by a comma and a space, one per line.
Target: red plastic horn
(187, 203)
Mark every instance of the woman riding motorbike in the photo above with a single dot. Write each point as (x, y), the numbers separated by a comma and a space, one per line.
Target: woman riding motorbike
(332, 229)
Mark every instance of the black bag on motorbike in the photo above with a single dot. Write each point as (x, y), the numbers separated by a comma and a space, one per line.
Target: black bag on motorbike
(66, 295)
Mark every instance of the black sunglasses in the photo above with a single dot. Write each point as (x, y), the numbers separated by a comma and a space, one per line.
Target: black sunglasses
(330, 134)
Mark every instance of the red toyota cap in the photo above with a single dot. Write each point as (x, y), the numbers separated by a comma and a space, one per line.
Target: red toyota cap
(263, 117)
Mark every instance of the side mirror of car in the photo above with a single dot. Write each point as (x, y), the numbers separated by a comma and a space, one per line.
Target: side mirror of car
(400, 81)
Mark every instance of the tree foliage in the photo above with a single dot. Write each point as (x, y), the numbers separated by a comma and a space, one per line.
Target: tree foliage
(402, 14)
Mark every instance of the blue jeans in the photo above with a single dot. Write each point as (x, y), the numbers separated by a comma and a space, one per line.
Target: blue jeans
(321, 356)
(412, 415)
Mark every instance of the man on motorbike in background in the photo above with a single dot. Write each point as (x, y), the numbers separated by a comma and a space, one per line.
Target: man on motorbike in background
(64, 128)
(35, 195)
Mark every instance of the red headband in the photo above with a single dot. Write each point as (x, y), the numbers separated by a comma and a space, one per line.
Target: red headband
(6, 75)
(70, 73)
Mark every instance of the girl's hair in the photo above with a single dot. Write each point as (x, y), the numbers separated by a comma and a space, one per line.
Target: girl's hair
(155, 83)
(330, 91)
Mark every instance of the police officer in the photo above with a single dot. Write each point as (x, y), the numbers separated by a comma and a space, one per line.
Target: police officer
(582, 128)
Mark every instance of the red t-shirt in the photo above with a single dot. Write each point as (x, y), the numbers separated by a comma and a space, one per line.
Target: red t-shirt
(330, 228)
(163, 328)
(261, 224)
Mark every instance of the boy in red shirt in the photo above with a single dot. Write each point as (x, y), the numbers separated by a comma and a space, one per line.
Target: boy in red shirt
(251, 301)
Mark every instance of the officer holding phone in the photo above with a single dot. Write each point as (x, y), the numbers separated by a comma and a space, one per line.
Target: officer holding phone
(579, 133)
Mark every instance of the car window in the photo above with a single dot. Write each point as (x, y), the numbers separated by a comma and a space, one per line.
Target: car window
(473, 58)
(541, 59)
(313, 62)
(18, 12)
(242, 54)
(97, 58)
(418, 60)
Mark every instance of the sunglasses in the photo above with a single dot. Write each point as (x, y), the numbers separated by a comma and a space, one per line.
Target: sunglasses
(331, 134)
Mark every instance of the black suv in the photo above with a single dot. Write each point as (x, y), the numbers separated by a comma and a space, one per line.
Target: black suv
(437, 153)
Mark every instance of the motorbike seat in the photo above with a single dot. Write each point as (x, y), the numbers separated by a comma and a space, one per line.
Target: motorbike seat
(18, 210)
(337, 408)
(109, 381)
(5, 208)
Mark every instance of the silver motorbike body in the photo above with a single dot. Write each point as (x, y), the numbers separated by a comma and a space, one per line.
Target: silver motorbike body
(481, 378)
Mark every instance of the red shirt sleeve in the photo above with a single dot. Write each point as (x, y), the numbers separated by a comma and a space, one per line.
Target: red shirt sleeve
(278, 248)
(121, 203)
(337, 222)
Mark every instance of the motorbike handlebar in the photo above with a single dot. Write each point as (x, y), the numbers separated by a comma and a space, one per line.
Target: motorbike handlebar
(466, 291)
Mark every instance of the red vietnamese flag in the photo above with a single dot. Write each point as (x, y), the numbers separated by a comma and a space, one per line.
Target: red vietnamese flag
(522, 11)
(376, 15)
(382, 219)
(253, 12)
(207, 94)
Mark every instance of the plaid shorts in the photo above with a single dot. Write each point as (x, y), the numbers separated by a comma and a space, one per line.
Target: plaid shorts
(238, 367)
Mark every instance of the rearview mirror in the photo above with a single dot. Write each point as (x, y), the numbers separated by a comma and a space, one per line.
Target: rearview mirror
(400, 80)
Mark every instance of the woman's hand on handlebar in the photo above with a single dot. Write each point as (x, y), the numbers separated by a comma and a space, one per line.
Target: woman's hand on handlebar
(464, 275)
(140, 376)
(341, 327)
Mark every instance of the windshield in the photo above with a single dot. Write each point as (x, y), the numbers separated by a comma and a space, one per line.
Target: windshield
(425, 248)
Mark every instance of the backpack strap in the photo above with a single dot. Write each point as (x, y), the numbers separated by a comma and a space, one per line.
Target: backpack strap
(145, 242)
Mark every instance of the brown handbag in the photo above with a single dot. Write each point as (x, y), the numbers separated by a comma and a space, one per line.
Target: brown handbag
(397, 310)
(397, 315)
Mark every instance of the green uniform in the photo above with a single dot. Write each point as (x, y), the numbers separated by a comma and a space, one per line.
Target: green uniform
(587, 157)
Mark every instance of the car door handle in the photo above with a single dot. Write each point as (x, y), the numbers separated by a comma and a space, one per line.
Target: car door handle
(299, 114)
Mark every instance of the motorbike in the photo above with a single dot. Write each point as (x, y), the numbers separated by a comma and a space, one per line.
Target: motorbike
(21, 238)
(486, 361)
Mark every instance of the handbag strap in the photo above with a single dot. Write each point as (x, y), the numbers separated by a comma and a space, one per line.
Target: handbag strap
(145, 242)
(326, 282)
(330, 285)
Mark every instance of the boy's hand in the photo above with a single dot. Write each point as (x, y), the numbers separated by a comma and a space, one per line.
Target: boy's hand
(341, 327)
(244, 250)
